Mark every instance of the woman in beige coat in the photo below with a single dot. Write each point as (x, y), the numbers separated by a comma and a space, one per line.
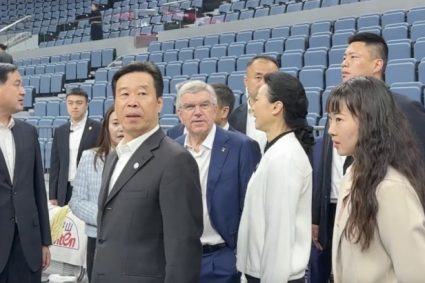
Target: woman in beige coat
(379, 232)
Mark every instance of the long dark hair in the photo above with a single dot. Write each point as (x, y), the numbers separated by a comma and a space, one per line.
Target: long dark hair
(384, 139)
(289, 90)
(104, 143)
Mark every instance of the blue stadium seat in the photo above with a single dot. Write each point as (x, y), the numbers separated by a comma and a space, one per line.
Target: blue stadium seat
(190, 67)
(87, 87)
(242, 62)
(320, 39)
(294, 7)
(62, 108)
(262, 33)
(96, 107)
(30, 70)
(167, 123)
(275, 45)
(393, 17)
(419, 49)
(235, 81)
(39, 69)
(238, 6)
(340, 38)
(226, 64)
(57, 82)
(300, 29)
(154, 46)
(199, 77)
(227, 38)
(400, 70)
(246, 14)
(314, 101)
(252, 4)
(127, 59)
(96, 59)
(176, 80)
(161, 66)
(236, 49)
(196, 41)
(108, 103)
(261, 12)
(35, 82)
(291, 59)
(312, 4)
(417, 30)
(282, 31)
(211, 39)
(295, 43)
(173, 68)
(336, 54)
(245, 35)
(220, 78)
(170, 55)
(219, 50)
(29, 97)
(316, 57)
(395, 31)
(83, 69)
(201, 52)
(168, 104)
(181, 43)
(321, 26)
(53, 108)
(413, 90)
(142, 57)
(415, 14)
(399, 49)
(186, 53)
(45, 128)
(312, 77)
(47, 152)
(101, 75)
(328, 3)
(333, 76)
(71, 71)
(156, 57)
(277, 10)
(345, 24)
(371, 20)
(45, 84)
(99, 90)
(167, 45)
(421, 72)
(255, 47)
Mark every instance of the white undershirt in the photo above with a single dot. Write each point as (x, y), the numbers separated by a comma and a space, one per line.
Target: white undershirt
(75, 135)
(252, 132)
(7, 146)
(337, 174)
(125, 151)
(203, 158)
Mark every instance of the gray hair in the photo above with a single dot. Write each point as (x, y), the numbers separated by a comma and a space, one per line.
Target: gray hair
(194, 86)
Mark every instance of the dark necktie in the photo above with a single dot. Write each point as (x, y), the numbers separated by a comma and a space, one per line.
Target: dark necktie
(348, 161)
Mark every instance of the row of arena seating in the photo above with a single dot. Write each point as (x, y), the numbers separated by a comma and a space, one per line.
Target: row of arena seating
(129, 19)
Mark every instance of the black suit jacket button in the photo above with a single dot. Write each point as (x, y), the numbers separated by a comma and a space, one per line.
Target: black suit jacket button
(12, 219)
(109, 208)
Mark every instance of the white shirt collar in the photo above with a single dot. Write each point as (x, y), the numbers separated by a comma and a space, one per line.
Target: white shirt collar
(208, 141)
(134, 144)
(9, 125)
(77, 125)
(227, 126)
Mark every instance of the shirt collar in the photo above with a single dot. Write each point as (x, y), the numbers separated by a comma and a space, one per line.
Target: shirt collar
(133, 145)
(208, 141)
(9, 125)
(77, 125)
(227, 126)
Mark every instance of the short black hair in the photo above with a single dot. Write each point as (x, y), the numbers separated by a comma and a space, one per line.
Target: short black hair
(263, 57)
(3, 46)
(78, 91)
(142, 67)
(225, 96)
(5, 69)
(374, 40)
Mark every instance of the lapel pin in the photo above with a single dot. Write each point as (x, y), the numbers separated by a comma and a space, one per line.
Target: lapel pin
(136, 165)
(90, 128)
(223, 149)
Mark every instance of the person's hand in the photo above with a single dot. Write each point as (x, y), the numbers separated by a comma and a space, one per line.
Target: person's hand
(45, 252)
(54, 202)
(315, 237)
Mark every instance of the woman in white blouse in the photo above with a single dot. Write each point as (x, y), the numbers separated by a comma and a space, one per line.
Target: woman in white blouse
(274, 237)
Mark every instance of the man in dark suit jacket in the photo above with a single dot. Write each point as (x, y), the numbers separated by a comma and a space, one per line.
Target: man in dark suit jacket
(242, 119)
(24, 218)
(150, 206)
(69, 142)
(226, 161)
(225, 101)
(367, 55)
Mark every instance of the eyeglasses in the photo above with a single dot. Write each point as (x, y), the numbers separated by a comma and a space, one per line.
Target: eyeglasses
(191, 107)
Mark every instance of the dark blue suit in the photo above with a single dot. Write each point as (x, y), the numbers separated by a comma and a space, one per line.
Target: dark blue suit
(234, 158)
(322, 212)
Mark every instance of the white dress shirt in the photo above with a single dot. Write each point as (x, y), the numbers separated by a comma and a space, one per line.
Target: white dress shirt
(203, 157)
(252, 132)
(125, 151)
(75, 135)
(274, 238)
(7, 146)
(337, 174)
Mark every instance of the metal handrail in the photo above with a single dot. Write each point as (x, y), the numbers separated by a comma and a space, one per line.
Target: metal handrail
(15, 23)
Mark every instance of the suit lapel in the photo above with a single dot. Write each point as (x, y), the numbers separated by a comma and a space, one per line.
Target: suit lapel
(219, 154)
(110, 163)
(87, 130)
(18, 137)
(139, 159)
(3, 168)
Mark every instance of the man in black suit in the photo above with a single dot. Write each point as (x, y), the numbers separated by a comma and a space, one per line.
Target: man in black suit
(365, 55)
(150, 204)
(24, 218)
(225, 101)
(69, 142)
(242, 118)
(4, 56)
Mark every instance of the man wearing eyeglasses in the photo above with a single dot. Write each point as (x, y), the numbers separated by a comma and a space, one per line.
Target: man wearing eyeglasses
(226, 161)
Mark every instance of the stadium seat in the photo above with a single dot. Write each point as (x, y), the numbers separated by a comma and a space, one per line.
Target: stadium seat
(333, 76)
(312, 77)
(170, 55)
(316, 57)
(235, 81)
(399, 49)
(220, 78)
(190, 67)
(96, 107)
(236, 49)
(400, 70)
(413, 90)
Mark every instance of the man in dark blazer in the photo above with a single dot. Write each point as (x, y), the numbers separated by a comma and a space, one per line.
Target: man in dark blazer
(69, 142)
(150, 206)
(226, 161)
(366, 55)
(225, 101)
(4, 56)
(242, 118)
(24, 218)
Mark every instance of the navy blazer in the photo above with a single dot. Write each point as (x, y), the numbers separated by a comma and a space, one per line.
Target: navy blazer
(60, 156)
(415, 114)
(234, 158)
(23, 202)
(237, 118)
